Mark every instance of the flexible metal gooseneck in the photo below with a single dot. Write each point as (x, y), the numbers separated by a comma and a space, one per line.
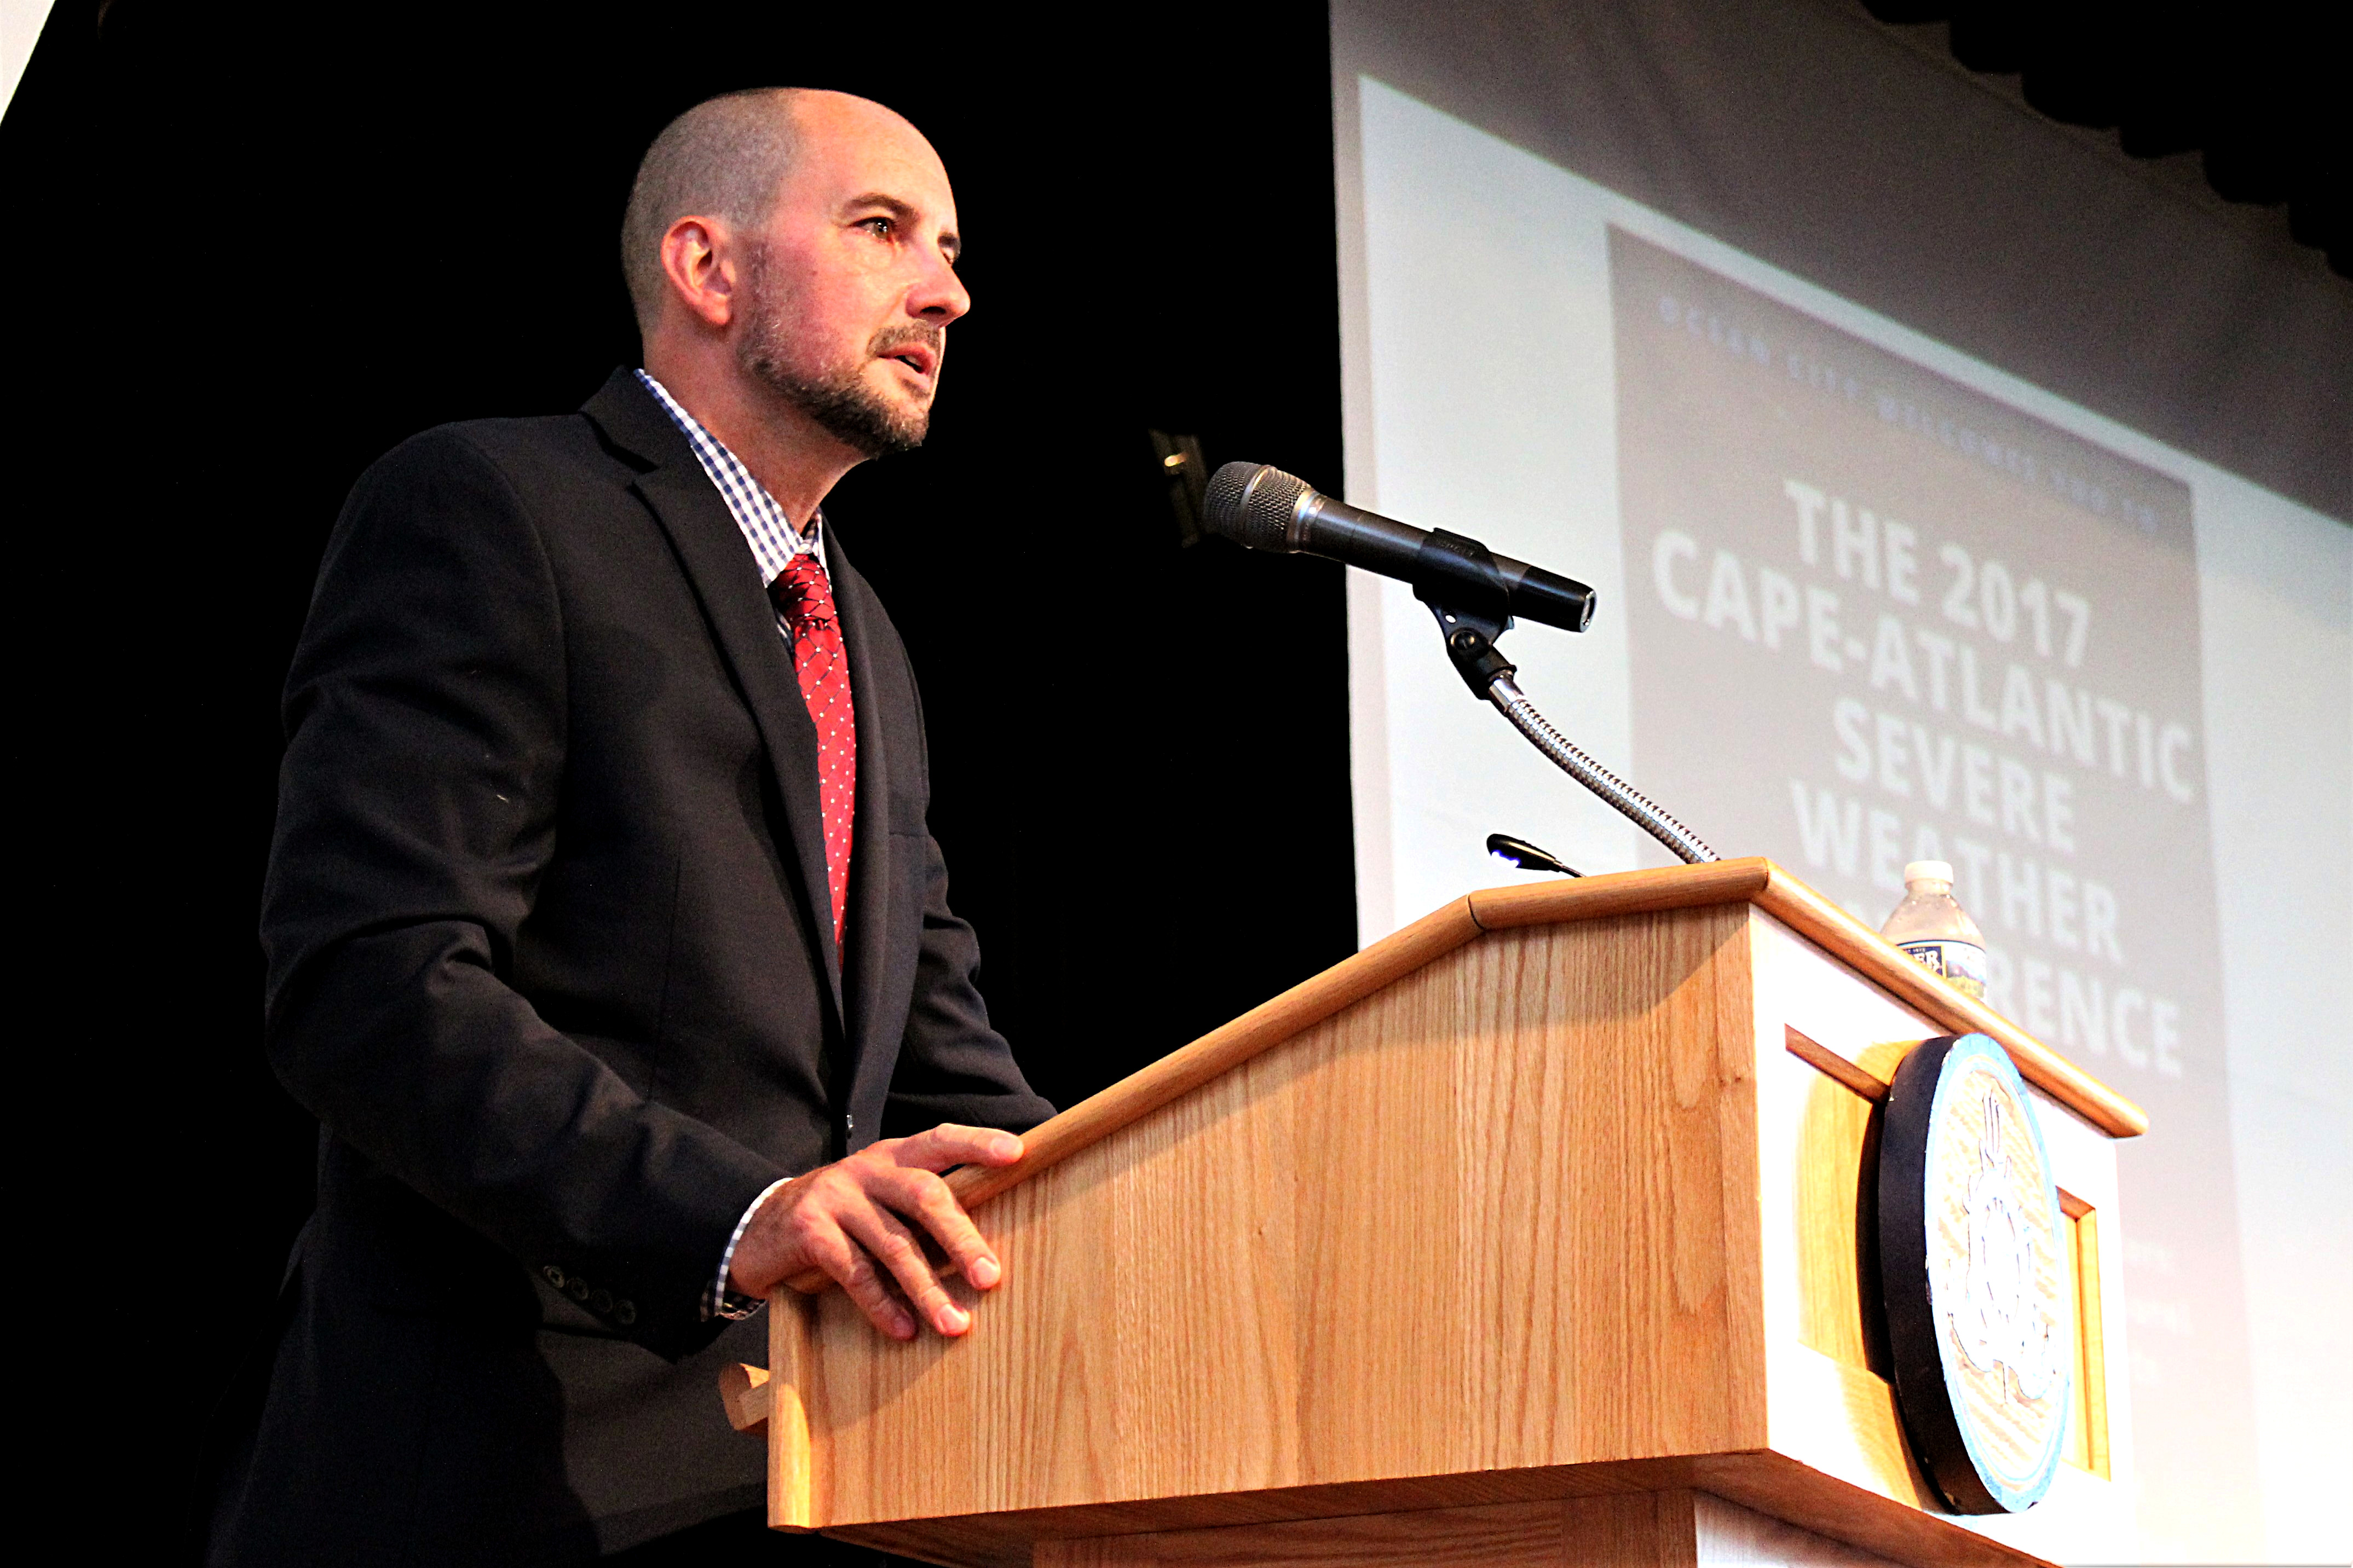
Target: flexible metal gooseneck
(1505, 694)
(1474, 593)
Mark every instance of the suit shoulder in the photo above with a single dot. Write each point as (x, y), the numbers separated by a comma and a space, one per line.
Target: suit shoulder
(534, 477)
(528, 453)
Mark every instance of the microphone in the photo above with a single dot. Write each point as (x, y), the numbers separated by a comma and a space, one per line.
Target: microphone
(1267, 508)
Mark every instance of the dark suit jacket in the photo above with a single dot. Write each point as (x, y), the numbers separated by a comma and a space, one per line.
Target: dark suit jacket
(550, 956)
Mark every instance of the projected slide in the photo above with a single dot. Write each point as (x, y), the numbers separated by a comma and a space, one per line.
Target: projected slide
(1874, 616)
(1955, 632)
(1864, 601)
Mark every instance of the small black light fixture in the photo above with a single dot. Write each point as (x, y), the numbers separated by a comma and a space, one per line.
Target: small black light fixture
(1526, 855)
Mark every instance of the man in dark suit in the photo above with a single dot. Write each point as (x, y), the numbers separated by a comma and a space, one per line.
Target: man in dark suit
(606, 936)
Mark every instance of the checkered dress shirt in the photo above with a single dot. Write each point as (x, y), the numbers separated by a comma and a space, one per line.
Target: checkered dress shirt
(774, 542)
(770, 533)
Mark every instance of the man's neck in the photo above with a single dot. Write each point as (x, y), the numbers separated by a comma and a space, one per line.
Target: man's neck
(797, 461)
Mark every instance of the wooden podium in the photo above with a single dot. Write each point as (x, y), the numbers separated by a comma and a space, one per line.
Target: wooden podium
(1529, 1234)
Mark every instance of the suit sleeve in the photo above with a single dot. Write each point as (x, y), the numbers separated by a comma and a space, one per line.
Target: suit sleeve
(425, 732)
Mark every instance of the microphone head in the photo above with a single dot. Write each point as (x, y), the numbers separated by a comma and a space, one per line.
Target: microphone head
(1252, 504)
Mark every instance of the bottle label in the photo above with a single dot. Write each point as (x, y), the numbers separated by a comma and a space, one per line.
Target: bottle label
(1961, 964)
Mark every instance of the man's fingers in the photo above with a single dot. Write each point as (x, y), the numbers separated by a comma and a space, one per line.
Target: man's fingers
(950, 1144)
(894, 1245)
(922, 1197)
(840, 1256)
(866, 1287)
(851, 1226)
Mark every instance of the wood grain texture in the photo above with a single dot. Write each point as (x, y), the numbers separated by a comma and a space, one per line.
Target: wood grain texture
(1499, 1536)
(743, 1390)
(1486, 1222)
(1603, 1530)
(1823, 1059)
(1843, 1518)
(1644, 1530)
(1609, 1529)
(1768, 887)
(1500, 1215)
(1220, 1051)
(793, 1455)
(1006, 1540)
(1668, 1529)
(1753, 880)
(1622, 893)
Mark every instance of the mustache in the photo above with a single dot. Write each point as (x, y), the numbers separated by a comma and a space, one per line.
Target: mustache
(928, 334)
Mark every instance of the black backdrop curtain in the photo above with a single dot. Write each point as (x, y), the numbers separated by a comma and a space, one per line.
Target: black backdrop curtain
(252, 246)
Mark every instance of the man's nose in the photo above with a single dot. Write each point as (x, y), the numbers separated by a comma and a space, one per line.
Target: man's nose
(939, 295)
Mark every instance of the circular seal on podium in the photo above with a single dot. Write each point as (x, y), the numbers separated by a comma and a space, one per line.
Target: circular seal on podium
(1980, 1319)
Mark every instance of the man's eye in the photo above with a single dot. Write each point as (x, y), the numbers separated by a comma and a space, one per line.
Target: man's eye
(882, 226)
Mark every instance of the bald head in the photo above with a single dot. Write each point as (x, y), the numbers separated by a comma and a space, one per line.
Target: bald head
(724, 158)
(727, 158)
(792, 256)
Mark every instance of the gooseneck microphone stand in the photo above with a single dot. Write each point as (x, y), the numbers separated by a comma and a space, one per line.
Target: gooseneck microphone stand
(1466, 586)
(1463, 589)
(1505, 694)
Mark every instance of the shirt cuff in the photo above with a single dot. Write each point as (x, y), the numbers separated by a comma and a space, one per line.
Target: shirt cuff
(724, 1302)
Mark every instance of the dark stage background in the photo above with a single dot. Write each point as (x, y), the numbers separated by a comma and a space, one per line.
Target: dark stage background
(251, 247)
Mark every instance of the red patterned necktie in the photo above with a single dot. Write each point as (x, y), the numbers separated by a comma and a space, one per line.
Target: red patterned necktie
(804, 598)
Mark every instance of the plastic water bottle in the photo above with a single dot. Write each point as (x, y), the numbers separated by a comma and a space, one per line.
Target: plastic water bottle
(1931, 926)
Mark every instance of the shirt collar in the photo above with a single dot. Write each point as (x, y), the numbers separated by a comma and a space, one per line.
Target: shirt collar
(770, 533)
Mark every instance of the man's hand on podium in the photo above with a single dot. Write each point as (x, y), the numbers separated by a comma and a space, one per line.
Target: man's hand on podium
(854, 1219)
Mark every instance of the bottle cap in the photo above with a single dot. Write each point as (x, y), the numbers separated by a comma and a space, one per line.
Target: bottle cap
(1928, 871)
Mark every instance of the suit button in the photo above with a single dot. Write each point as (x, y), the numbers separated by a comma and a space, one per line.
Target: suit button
(600, 1302)
(553, 1275)
(576, 1288)
(625, 1312)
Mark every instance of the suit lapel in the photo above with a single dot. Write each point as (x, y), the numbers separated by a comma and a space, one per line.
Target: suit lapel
(871, 844)
(735, 603)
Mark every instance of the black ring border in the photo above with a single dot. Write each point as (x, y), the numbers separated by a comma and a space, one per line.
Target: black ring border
(1923, 1398)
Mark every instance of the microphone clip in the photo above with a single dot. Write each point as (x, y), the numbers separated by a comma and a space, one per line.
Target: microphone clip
(1459, 580)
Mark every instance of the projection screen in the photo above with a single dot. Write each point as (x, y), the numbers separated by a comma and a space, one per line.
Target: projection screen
(1873, 593)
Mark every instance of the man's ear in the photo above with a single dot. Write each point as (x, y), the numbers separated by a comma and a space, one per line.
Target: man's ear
(698, 261)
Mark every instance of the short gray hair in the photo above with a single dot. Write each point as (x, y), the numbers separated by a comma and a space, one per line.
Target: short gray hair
(724, 158)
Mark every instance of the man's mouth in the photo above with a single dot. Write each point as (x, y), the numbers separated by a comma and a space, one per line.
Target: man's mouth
(921, 358)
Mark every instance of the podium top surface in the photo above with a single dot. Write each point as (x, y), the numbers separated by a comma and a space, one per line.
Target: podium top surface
(1756, 881)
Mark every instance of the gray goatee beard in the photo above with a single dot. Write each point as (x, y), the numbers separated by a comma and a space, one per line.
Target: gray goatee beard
(837, 399)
